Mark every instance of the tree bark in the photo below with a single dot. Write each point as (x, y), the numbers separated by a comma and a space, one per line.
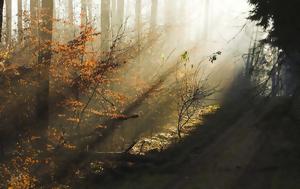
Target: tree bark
(105, 25)
(1, 18)
(138, 22)
(83, 13)
(20, 20)
(120, 13)
(71, 11)
(89, 10)
(33, 17)
(44, 60)
(153, 19)
(8, 21)
(114, 15)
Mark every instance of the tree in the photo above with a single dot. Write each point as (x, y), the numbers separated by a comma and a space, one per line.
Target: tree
(105, 25)
(153, 19)
(114, 15)
(44, 60)
(138, 23)
(71, 11)
(89, 10)
(1, 18)
(83, 13)
(33, 17)
(20, 19)
(8, 20)
(120, 13)
(282, 20)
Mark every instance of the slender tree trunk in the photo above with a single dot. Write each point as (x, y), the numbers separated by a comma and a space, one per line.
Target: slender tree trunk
(33, 17)
(8, 21)
(105, 25)
(44, 61)
(25, 3)
(20, 20)
(114, 15)
(71, 11)
(138, 11)
(90, 10)
(83, 13)
(1, 18)
(120, 13)
(153, 19)
(138, 22)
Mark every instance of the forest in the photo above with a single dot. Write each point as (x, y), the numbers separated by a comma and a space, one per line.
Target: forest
(143, 94)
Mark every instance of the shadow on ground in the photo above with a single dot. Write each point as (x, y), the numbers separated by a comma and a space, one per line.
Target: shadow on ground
(249, 143)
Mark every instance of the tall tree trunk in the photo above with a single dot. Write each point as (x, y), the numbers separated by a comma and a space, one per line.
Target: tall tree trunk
(1, 18)
(90, 10)
(20, 20)
(71, 11)
(153, 19)
(120, 13)
(25, 3)
(138, 22)
(71, 28)
(83, 13)
(114, 15)
(33, 17)
(44, 61)
(8, 21)
(105, 25)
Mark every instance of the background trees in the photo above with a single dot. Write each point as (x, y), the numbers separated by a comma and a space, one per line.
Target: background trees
(94, 78)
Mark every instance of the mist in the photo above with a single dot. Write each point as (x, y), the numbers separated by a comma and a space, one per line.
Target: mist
(161, 31)
(98, 92)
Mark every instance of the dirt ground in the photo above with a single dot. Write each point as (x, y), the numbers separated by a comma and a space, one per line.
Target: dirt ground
(247, 147)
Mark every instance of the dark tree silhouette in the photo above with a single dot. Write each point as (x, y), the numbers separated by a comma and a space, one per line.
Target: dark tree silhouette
(282, 18)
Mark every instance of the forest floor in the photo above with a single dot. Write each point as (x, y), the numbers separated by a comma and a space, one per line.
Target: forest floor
(243, 145)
